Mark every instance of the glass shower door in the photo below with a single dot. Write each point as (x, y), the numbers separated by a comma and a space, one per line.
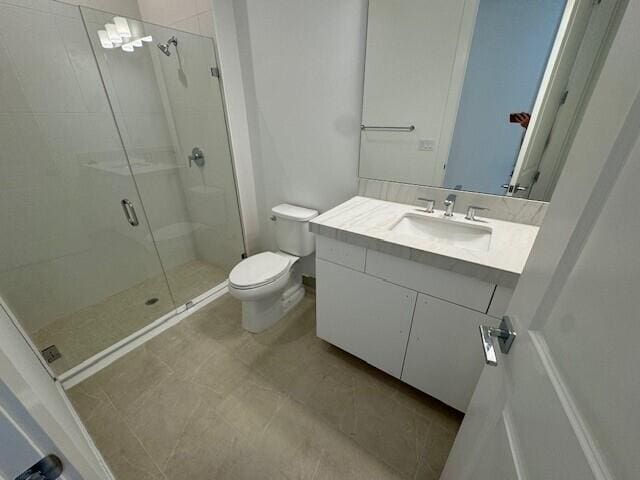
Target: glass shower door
(169, 108)
(78, 267)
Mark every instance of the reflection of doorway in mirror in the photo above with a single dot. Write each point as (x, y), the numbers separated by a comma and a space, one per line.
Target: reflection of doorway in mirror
(506, 64)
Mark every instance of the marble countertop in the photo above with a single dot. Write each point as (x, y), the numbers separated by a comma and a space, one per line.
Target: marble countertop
(368, 222)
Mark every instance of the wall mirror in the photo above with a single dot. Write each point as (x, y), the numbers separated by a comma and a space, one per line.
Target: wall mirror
(478, 95)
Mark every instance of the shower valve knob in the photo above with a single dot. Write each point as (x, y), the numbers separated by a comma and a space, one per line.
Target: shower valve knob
(197, 157)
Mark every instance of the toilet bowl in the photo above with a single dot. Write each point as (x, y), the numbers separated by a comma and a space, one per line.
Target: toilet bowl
(269, 284)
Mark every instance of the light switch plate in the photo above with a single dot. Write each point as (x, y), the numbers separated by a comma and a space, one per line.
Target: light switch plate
(427, 145)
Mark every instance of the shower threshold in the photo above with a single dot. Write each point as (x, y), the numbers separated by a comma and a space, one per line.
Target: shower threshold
(100, 360)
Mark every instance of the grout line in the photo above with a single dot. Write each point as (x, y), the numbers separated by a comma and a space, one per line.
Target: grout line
(133, 434)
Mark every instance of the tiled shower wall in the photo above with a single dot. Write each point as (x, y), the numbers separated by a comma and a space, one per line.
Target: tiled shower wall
(193, 16)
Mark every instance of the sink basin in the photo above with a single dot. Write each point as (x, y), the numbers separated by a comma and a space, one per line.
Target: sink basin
(445, 230)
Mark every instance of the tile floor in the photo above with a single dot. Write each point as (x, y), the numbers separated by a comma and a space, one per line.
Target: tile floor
(92, 329)
(206, 399)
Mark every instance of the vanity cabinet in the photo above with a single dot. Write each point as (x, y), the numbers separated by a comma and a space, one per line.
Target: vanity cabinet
(413, 321)
(444, 355)
(364, 315)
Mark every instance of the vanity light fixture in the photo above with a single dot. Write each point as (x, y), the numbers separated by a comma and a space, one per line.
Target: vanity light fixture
(118, 34)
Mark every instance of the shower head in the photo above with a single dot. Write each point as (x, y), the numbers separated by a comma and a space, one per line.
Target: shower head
(165, 47)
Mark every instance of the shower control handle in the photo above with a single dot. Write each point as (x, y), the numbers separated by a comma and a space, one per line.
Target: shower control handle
(197, 157)
(130, 212)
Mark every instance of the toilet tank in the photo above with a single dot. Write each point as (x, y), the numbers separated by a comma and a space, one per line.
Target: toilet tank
(292, 229)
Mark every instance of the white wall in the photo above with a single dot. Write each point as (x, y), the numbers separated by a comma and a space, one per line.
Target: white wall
(302, 66)
(508, 57)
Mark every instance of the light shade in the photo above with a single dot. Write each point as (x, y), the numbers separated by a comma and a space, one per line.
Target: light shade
(122, 27)
(112, 33)
(148, 38)
(127, 47)
(104, 39)
(137, 43)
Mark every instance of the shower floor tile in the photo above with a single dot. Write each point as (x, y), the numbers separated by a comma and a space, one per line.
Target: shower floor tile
(92, 329)
(205, 399)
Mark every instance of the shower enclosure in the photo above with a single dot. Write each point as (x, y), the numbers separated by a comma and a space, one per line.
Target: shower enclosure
(118, 203)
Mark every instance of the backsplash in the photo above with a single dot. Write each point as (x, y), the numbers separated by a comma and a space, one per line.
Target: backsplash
(519, 210)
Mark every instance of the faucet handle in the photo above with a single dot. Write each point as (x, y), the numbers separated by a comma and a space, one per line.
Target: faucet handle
(471, 212)
(430, 204)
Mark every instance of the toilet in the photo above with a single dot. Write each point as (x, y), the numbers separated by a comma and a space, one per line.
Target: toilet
(269, 284)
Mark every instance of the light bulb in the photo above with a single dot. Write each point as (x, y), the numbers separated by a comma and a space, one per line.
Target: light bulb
(112, 33)
(104, 39)
(122, 27)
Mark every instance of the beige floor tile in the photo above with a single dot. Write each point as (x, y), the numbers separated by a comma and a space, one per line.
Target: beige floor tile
(207, 446)
(127, 379)
(162, 414)
(122, 450)
(250, 407)
(397, 437)
(294, 440)
(345, 459)
(207, 400)
(423, 404)
(221, 372)
(437, 447)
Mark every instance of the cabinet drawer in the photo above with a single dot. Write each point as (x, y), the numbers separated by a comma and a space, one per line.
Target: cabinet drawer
(453, 287)
(363, 315)
(444, 354)
(342, 253)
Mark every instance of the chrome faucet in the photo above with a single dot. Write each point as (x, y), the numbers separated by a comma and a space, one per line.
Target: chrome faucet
(449, 203)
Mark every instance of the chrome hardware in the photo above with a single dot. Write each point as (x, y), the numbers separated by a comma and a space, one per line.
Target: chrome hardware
(129, 212)
(410, 128)
(430, 205)
(165, 47)
(197, 157)
(48, 468)
(471, 212)
(449, 203)
(514, 188)
(505, 335)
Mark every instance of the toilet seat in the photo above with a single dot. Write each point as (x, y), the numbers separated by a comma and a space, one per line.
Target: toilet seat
(258, 270)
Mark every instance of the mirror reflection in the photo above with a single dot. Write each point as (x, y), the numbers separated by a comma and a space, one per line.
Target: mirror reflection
(476, 95)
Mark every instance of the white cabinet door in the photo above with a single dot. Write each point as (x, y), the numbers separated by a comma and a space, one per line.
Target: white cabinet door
(363, 315)
(443, 352)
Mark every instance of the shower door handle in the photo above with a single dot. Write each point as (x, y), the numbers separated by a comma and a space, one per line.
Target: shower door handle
(129, 212)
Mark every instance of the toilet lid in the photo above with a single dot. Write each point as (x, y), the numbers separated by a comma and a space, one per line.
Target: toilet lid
(258, 270)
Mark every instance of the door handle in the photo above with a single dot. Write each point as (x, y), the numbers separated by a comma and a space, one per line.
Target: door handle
(505, 335)
(48, 468)
(130, 212)
(514, 188)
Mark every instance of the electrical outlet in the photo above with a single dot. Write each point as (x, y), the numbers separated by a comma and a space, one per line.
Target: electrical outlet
(427, 145)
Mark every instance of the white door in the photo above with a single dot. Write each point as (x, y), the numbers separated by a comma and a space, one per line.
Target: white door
(23, 443)
(563, 403)
(553, 86)
(36, 418)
